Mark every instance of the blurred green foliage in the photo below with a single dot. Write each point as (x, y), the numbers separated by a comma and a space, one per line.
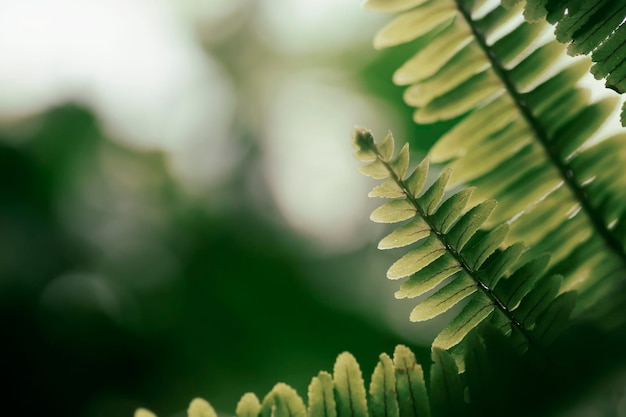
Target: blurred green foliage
(182, 300)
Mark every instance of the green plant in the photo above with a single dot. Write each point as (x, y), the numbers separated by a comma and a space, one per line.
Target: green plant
(537, 263)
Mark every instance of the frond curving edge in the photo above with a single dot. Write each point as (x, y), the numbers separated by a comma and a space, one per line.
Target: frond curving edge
(527, 135)
(452, 255)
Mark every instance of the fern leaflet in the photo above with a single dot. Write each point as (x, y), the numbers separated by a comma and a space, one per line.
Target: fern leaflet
(397, 389)
(526, 138)
(448, 243)
(588, 27)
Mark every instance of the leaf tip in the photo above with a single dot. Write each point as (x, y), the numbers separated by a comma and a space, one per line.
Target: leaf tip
(362, 138)
(200, 408)
(142, 412)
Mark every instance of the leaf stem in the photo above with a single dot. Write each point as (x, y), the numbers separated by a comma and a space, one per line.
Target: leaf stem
(567, 174)
(459, 257)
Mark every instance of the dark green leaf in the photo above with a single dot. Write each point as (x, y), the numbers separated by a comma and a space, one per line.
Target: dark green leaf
(500, 263)
(553, 321)
(485, 246)
(446, 388)
(538, 299)
(513, 289)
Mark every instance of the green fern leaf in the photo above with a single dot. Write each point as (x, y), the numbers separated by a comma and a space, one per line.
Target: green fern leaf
(529, 133)
(375, 170)
(552, 322)
(451, 209)
(429, 277)
(386, 147)
(410, 385)
(475, 312)
(538, 299)
(516, 43)
(433, 57)
(393, 212)
(349, 387)
(431, 198)
(480, 251)
(453, 244)
(467, 225)
(405, 235)
(401, 164)
(473, 129)
(463, 98)
(287, 402)
(446, 388)
(268, 405)
(514, 288)
(321, 396)
(200, 408)
(492, 365)
(392, 5)
(142, 412)
(417, 179)
(417, 259)
(593, 27)
(383, 399)
(397, 389)
(455, 72)
(444, 299)
(413, 24)
(248, 406)
(499, 264)
(388, 189)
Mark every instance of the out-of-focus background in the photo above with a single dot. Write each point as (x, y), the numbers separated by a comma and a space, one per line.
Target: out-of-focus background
(180, 213)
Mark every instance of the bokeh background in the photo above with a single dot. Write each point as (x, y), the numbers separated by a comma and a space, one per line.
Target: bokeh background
(180, 213)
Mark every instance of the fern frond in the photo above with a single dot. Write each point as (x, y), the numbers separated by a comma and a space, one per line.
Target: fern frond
(446, 240)
(589, 27)
(527, 138)
(397, 389)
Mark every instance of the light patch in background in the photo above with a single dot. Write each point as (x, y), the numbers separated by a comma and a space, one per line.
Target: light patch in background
(297, 26)
(215, 20)
(598, 92)
(308, 156)
(134, 62)
(78, 293)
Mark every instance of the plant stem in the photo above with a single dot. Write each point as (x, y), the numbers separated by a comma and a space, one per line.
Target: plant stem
(459, 257)
(567, 174)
